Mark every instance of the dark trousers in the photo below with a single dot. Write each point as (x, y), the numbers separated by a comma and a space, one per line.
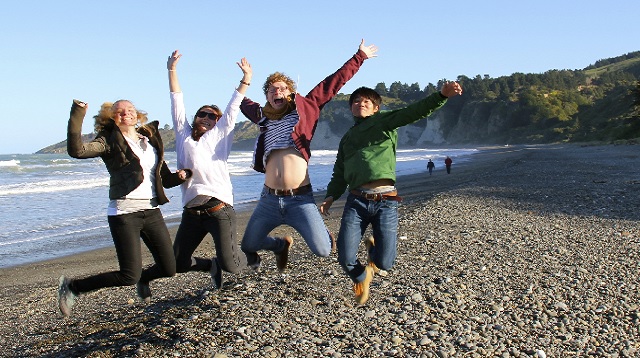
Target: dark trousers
(126, 231)
(193, 229)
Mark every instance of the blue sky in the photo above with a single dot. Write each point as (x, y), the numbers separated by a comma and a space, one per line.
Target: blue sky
(54, 51)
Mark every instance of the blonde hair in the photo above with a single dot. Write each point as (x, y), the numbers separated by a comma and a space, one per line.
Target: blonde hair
(278, 77)
(105, 115)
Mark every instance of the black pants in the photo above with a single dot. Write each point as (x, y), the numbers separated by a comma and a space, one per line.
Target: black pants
(126, 231)
(193, 229)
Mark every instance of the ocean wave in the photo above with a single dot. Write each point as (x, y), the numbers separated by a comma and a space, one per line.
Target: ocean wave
(9, 163)
(50, 186)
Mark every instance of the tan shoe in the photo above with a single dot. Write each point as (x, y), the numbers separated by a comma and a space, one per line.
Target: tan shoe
(361, 289)
(334, 243)
(369, 244)
(282, 257)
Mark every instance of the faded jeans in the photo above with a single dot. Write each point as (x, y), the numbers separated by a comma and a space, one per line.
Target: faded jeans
(298, 211)
(357, 215)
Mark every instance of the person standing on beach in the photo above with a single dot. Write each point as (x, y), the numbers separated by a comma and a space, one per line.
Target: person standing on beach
(204, 146)
(430, 166)
(134, 156)
(287, 124)
(366, 165)
(447, 164)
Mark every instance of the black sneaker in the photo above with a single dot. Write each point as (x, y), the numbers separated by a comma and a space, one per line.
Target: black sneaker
(216, 274)
(144, 292)
(66, 298)
(282, 257)
(255, 266)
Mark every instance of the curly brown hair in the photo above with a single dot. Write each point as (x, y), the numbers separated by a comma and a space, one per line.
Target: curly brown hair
(278, 77)
(105, 115)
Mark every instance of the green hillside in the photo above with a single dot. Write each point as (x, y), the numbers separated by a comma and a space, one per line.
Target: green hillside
(598, 103)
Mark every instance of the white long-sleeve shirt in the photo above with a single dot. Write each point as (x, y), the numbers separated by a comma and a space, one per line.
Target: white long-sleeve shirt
(207, 158)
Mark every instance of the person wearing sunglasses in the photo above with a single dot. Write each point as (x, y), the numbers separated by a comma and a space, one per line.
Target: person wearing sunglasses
(287, 123)
(133, 153)
(204, 146)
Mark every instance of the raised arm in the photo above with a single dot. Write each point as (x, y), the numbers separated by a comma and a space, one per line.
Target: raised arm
(369, 51)
(226, 123)
(75, 147)
(450, 89)
(247, 73)
(324, 91)
(172, 62)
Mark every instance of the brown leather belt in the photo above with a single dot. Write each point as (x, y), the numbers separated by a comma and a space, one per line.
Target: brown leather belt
(290, 192)
(391, 195)
(207, 211)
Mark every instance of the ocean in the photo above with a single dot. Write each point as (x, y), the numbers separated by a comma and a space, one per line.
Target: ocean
(54, 205)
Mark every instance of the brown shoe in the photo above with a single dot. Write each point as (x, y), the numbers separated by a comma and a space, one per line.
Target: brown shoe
(369, 244)
(282, 257)
(361, 289)
(334, 243)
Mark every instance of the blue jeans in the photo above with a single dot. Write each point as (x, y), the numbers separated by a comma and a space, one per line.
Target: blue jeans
(358, 214)
(298, 211)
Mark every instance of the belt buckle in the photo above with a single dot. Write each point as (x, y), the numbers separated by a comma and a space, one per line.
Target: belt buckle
(370, 196)
(283, 192)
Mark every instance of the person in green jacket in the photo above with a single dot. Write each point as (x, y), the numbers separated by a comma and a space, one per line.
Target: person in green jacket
(366, 165)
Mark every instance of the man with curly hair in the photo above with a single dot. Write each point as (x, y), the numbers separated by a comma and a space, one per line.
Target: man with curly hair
(282, 151)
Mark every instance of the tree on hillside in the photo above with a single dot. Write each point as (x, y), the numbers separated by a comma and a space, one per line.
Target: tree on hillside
(395, 90)
(381, 88)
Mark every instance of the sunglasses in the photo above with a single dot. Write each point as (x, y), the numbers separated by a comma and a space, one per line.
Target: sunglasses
(203, 114)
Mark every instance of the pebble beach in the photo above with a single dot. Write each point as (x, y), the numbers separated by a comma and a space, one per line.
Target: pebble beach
(524, 251)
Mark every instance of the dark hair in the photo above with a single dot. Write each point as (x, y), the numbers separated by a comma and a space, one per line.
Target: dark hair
(212, 107)
(367, 93)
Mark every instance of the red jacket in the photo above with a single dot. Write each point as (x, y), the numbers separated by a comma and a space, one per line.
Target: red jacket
(308, 108)
(448, 162)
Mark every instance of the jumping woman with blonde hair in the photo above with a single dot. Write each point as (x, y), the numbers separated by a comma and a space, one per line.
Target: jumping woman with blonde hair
(133, 153)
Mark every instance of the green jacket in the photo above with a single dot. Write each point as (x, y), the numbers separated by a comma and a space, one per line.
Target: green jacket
(367, 152)
(123, 165)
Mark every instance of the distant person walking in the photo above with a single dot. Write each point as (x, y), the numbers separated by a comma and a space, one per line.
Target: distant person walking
(447, 163)
(430, 166)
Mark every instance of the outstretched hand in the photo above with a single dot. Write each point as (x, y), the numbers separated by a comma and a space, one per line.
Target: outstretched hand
(245, 66)
(450, 89)
(326, 205)
(370, 50)
(172, 61)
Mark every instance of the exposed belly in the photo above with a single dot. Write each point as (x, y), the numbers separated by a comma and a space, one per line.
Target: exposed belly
(377, 183)
(286, 169)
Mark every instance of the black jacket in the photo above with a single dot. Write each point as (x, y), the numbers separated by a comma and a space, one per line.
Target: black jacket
(123, 165)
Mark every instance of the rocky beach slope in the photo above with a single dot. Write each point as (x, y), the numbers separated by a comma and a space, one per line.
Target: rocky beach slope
(527, 251)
